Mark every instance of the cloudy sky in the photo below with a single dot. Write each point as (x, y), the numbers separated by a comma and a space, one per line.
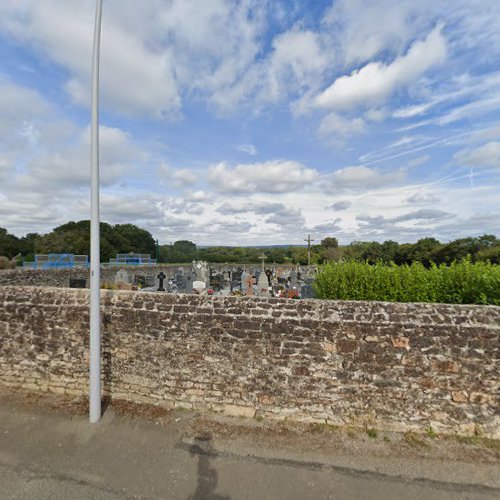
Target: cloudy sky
(255, 121)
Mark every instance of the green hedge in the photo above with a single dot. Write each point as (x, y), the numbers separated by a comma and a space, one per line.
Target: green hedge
(460, 283)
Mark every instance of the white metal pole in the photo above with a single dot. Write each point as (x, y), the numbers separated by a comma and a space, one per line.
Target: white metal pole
(95, 261)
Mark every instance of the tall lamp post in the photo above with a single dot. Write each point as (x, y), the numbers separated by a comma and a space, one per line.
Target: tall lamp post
(95, 259)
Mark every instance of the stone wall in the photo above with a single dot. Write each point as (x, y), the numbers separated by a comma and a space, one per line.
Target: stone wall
(384, 365)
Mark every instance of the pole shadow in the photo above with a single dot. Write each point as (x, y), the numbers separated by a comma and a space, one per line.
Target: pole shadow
(207, 480)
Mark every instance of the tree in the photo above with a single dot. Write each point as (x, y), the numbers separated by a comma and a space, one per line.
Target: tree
(459, 249)
(180, 251)
(74, 237)
(389, 250)
(9, 244)
(136, 239)
(330, 242)
(424, 251)
(491, 253)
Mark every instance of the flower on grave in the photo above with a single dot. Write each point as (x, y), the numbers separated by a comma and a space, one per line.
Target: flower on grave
(210, 291)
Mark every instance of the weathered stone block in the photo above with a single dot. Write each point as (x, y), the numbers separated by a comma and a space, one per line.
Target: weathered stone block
(459, 396)
(346, 346)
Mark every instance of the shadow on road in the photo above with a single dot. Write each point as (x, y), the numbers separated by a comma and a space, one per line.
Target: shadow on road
(207, 474)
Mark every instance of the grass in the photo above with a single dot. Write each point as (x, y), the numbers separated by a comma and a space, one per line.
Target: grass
(322, 427)
(431, 433)
(492, 444)
(461, 282)
(372, 433)
(414, 439)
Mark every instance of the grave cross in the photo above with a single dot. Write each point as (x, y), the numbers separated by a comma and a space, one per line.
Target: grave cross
(161, 277)
(262, 257)
(308, 250)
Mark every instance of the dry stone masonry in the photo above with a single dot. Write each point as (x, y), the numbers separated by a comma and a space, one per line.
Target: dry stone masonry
(385, 365)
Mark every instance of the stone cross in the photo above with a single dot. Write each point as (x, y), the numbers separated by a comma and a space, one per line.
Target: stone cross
(262, 257)
(161, 277)
(308, 250)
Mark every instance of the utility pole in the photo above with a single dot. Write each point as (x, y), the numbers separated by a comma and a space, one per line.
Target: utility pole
(308, 250)
(95, 251)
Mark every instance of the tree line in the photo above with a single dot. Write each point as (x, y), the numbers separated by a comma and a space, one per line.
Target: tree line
(74, 237)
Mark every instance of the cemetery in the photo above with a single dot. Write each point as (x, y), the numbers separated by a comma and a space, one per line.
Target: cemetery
(198, 278)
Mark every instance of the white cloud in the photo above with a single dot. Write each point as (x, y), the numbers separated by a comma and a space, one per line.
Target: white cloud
(364, 28)
(295, 64)
(276, 176)
(362, 177)
(249, 149)
(336, 125)
(422, 198)
(18, 106)
(329, 227)
(297, 56)
(185, 176)
(198, 195)
(376, 81)
(411, 111)
(287, 218)
(487, 155)
(340, 205)
(136, 78)
(422, 214)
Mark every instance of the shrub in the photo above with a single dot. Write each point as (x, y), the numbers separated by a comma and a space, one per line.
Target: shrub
(459, 283)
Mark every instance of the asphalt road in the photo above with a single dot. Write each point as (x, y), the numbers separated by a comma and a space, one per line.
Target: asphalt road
(49, 456)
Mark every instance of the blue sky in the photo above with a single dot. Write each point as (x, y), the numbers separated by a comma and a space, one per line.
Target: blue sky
(255, 121)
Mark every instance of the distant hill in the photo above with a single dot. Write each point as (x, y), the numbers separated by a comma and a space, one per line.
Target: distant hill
(250, 246)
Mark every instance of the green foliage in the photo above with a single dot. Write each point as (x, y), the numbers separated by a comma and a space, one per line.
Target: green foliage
(180, 251)
(491, 253)
(9, 244)
(431, 433)
(74, 237)
(330, 242)
(461, 282)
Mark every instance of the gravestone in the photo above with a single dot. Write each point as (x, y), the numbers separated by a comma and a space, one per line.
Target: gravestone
(307, 292)
(262, 285)
(161, 276)
(293, 278)
(122, 276)
(269, 274)
(77, 283)
(217, 282)
(249, 284)
(199, 286)
(140, 281)
(200, 268)
(185, 284)
(244, 281)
